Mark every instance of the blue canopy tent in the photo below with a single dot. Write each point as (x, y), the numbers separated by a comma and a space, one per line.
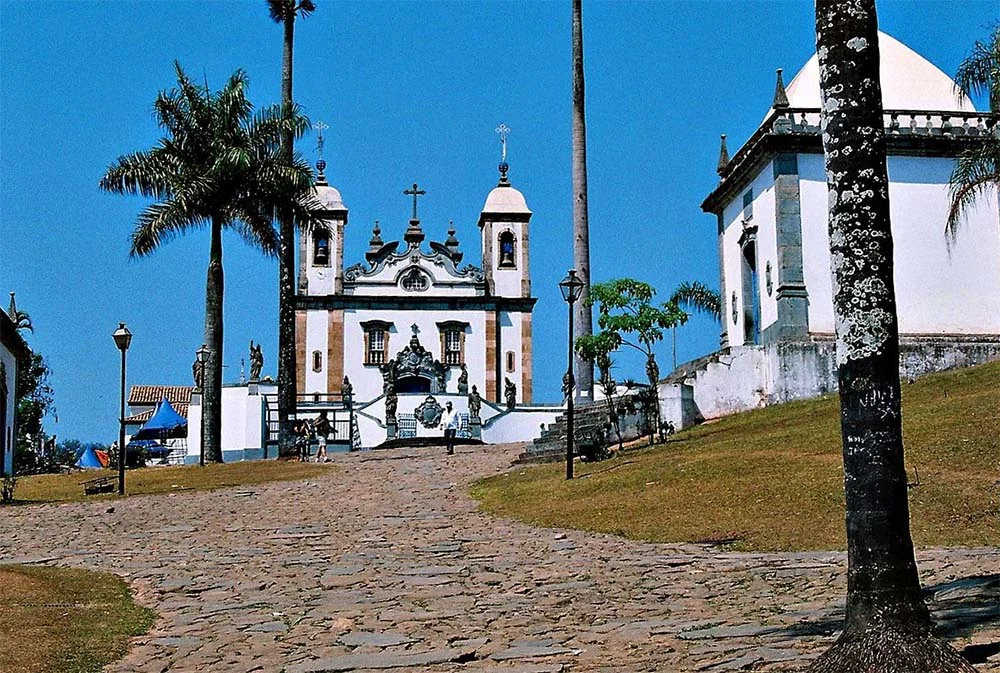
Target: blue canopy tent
(164, 424)
(88, 460)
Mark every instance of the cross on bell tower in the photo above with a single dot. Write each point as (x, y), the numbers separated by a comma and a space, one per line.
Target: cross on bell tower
(414, 234)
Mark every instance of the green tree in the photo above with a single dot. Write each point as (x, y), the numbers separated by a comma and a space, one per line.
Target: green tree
(218, 165)
(696, 297)
(597, 349)
(977, 170)
(35, 402)
(887, 627)
(627, 317)
(583, 315)
(284, 12)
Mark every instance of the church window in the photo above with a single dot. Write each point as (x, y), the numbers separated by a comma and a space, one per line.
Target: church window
(376, 341)
(452, 341)
(510, 362)
(748, 205)
(415, 280)
(317, 361)
(375, 352)
(507, 251)
(321, 248)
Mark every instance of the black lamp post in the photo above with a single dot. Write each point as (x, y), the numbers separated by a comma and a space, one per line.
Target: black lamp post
(122, 339)
(201, 356)
(571, 288)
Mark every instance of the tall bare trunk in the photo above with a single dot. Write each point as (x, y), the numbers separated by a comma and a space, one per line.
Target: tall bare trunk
(887, 627)
(583, 317)
(287, 393)
(211, 437)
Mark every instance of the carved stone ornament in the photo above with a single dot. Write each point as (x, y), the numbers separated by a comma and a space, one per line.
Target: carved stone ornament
(768, 282)
(415, 360)
(429, 412)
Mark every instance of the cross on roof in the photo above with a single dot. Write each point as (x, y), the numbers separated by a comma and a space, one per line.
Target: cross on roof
(503, 130)
(319, 127)
(414, 192)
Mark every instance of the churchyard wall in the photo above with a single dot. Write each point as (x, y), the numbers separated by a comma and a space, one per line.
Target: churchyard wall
(10, 408)
(242, 423)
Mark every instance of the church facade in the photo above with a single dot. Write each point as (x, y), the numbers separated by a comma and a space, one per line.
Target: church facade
(776, 282)
(415, 325)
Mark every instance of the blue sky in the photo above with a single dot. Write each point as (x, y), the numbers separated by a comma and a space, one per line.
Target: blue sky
(412, 92)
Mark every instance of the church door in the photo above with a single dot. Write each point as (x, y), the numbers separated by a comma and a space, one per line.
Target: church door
(751, 295)
(413, 384)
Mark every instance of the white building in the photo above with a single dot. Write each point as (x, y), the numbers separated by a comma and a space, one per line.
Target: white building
(776, 280)
(14, 353)
(414, 327)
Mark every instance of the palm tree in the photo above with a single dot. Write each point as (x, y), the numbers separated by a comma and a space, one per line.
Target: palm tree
(218, 165)
(887, 626)
(978, 169)
(21, 319)
(284, 12)
(697, 297)
(581, 228)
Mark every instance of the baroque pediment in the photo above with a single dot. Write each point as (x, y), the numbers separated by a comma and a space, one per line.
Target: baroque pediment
(388, 265)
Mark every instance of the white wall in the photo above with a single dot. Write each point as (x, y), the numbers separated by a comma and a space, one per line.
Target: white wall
(242, 419)
(510, 340)
(937, 291)
(10, 365)
(317, 338)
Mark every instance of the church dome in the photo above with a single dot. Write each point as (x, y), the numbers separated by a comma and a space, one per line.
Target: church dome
(909, 82)
(329, 197)
(505, 199)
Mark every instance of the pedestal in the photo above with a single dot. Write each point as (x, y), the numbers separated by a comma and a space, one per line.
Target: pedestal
(476, 427)
(390, 430)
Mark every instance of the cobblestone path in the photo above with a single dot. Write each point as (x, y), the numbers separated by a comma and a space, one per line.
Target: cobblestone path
(385, 564)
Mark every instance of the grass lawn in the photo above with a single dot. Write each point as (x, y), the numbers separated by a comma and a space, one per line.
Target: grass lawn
(771, 479)
(63, 487)
(61, 620)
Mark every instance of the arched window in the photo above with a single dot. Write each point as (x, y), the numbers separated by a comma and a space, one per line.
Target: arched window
(510, 362)
(321, 248)
(507, 259)
(414, 280)
(317, 361)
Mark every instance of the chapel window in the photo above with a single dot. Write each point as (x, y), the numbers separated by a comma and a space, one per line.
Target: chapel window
(748, 205)
(507, 257)
(321, 248)
(452, 341)
(317, 361)
(375, 352)
(414, 281)
(510, 362)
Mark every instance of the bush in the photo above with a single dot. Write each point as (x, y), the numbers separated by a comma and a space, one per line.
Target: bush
(7, 487)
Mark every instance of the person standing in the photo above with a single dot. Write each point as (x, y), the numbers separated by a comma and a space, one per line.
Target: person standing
(449, 421)
(322, 428)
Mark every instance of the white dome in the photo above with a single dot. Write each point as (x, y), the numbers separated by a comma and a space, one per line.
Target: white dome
(505, 199)
(330, 197)
(909, 82)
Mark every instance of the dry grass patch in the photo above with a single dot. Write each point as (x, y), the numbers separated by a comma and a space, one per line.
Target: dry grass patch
(61, 620)
(772, 479)
(64, 487)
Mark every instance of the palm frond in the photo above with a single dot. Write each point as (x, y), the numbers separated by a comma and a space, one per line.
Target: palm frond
(160, 223)
(697, 297)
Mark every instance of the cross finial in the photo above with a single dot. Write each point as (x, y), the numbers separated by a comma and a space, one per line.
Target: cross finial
(503, 130)
(319, 127)
(414, 192)
(415, 329)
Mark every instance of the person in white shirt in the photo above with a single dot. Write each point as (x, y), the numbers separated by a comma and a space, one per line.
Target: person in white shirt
(449, 421)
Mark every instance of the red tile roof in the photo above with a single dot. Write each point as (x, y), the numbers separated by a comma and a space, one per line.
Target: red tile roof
(153, 394)
(143, 416)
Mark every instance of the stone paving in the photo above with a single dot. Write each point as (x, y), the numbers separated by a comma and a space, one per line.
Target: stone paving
(386, 564)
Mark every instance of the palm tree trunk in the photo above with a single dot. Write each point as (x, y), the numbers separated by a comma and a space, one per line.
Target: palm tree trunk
(287, 393)
(583, 317)
(887, 626)
(211, 438)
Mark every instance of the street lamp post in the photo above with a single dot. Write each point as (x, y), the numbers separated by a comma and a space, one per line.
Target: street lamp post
(201, 356)
(122, 339)
(571, 288)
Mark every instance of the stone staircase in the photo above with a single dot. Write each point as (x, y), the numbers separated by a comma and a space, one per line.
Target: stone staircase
(550, 447)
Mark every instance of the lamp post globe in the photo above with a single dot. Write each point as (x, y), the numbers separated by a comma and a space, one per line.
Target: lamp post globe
(123, 339)
(571, 288)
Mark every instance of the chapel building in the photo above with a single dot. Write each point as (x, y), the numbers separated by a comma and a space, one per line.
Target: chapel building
(413, 322)
(770, 206)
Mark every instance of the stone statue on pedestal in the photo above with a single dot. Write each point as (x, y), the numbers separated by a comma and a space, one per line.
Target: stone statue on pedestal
(509, 393)
(475, 406)
(256, 361)
(198, 374)
(347, 390)
(463, 381)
